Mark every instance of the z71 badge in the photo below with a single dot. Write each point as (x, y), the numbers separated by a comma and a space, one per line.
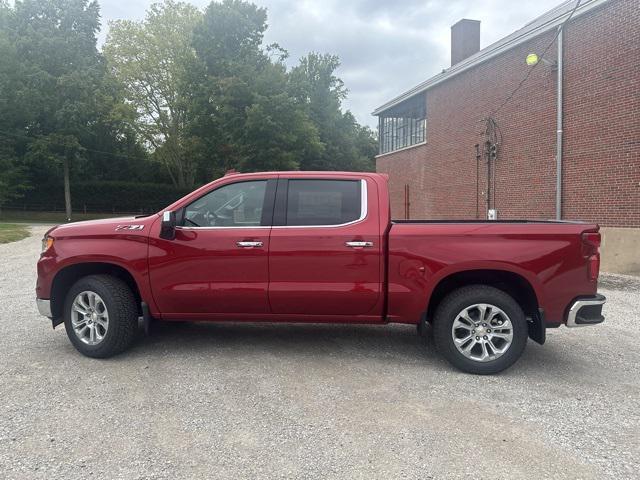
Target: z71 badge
(129, 227)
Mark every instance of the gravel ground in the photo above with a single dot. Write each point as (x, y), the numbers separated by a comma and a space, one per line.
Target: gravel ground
(311, 401)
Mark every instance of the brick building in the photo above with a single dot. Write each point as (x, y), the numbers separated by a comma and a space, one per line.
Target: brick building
(469, 140)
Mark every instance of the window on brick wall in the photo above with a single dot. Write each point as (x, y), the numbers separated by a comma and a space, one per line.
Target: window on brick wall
(403, 125)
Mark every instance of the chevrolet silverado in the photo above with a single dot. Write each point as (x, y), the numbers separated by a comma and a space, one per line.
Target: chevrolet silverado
(320, 247)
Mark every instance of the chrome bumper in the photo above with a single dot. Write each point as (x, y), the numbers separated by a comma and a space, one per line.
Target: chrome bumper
(44, 307)
(586, 311)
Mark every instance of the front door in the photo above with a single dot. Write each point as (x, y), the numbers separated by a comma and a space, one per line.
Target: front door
(325, 248)
(218, 261)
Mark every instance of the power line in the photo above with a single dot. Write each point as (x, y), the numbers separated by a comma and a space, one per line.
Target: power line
(30, 138)
(558, 32)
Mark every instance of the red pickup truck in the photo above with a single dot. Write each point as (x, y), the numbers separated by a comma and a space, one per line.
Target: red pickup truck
(320, 247)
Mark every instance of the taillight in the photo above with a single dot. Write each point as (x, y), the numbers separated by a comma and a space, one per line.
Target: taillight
(591, 250)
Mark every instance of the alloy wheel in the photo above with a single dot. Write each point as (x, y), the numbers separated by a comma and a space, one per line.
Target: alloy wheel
(89, 317)
(482, 332)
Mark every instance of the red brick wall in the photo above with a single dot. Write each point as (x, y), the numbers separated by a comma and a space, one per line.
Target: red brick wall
(602, 131)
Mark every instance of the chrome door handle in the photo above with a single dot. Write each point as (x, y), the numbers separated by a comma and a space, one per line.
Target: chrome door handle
(248, 244)
(359, 244)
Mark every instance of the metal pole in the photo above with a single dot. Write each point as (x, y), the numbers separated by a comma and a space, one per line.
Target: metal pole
(559, 124)
(477, 181)
(67, 188)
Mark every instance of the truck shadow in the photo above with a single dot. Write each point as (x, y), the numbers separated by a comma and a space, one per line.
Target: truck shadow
(394, 344)
(289, 339)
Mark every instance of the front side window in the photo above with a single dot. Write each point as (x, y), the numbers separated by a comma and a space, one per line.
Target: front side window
(234, 205)
(323, 202)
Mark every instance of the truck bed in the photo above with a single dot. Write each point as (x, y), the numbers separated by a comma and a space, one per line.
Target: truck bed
(547, 254)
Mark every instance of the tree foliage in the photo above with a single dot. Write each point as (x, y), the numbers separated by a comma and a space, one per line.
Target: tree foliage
(249, 116)
(346, 144)
(193, 92)
(59, 103)
(153, 60)
(13, 182)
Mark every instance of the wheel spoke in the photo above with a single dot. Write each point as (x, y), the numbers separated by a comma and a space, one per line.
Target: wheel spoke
(462, 341)
(491, 349)
(80, 300)
(466, 316)
(497, 350)
(482, 309)
(504, 336)
(100, 308)
(466, 351)
(77, 322)
(485, 353)
(80, 308)
(506, 324)
(488, 314)
(460, 324)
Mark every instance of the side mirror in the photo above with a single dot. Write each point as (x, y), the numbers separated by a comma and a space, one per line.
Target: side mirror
(168, 226)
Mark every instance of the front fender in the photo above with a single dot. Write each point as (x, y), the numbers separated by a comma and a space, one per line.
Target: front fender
(128, 253)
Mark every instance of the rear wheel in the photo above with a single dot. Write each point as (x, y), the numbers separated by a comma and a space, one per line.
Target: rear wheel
(480, 329)
(100, 316)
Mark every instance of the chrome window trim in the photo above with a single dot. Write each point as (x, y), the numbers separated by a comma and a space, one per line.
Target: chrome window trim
(364, 210)
(221, 228)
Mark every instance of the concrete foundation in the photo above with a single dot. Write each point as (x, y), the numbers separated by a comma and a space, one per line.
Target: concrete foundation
(620, 251)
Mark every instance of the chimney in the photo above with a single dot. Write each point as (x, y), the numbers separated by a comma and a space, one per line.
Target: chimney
(465, 39)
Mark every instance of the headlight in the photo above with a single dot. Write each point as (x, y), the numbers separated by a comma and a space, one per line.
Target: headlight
(46, 243)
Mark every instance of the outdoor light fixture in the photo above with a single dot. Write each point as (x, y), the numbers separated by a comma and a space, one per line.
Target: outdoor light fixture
(533, 59)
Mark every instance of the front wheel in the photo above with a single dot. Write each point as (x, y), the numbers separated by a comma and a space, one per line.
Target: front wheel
(480, 329)
(100, 316)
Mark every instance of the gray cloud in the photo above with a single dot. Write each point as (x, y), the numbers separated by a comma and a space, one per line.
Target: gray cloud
(385, 46)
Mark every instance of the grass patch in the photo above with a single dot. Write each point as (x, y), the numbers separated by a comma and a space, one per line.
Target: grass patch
(12, 233)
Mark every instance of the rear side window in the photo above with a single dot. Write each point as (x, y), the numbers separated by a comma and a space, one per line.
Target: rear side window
(323, 202)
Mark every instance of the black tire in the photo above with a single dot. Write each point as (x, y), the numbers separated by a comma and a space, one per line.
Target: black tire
(122, 310)
(465, 297)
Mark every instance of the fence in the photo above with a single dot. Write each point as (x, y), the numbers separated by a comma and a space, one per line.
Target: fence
(99, 197)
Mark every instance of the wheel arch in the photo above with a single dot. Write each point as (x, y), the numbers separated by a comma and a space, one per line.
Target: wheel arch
(70, 274)
(512, 283)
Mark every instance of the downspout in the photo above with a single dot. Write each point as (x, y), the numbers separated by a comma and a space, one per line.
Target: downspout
(559, 123)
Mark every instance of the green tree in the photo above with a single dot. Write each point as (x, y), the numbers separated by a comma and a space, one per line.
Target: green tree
(249, 118)
(64, 95)
(13, 178)
(156, 62)
(229, 38)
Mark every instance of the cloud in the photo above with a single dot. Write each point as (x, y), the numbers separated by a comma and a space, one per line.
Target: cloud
(386, 47)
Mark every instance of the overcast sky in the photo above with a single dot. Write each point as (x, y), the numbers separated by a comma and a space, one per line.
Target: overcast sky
(386, 46)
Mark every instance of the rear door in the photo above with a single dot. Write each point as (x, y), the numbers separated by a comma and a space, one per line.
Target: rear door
(325, 247)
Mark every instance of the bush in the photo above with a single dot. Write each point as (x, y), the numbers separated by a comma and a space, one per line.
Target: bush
(116, 197)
